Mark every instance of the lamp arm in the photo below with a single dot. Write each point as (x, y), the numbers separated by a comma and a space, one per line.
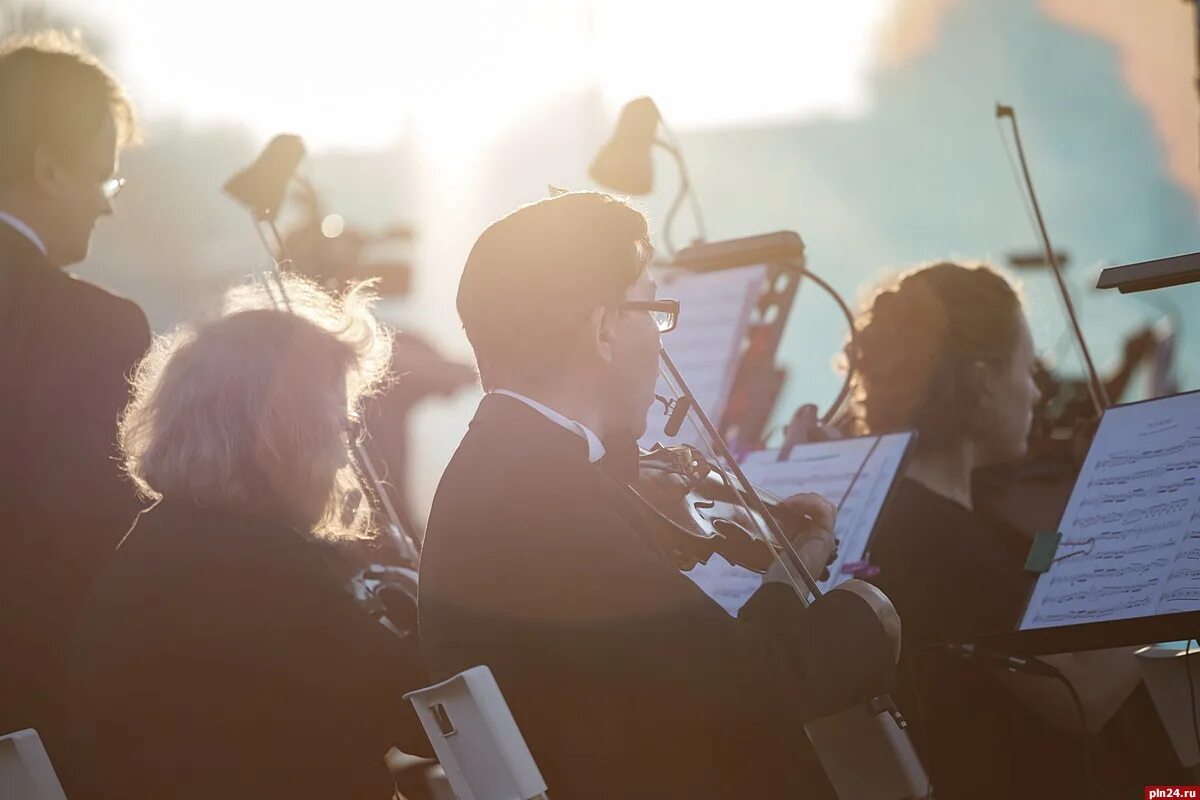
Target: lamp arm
(685, 191)
(701, 229)
(684, 184)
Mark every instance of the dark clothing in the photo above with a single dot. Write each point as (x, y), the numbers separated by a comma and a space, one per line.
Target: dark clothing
(952, 578)
(67, 349)
(624, 677)
(218, 656)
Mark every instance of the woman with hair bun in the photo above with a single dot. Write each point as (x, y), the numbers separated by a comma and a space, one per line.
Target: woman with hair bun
(945, 350)
(218, 655)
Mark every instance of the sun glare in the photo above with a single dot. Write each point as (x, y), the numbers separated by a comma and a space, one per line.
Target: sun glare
(764, 61)
(359, 73)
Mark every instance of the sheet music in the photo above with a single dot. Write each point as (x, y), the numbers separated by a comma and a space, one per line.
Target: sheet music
(714, 312)
(827, 468)
(1130, 542)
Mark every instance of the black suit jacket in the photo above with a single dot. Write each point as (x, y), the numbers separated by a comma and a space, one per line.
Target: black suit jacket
(624, 677)
(219, 656)
(66, 351)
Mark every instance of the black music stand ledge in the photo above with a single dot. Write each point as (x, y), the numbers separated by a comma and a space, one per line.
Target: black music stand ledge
(1147, 275)
(1095, 635)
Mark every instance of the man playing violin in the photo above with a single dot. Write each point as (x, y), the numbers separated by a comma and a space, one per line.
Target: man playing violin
(624, 677)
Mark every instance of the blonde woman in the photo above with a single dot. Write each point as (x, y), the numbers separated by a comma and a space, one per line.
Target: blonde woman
(218, 656)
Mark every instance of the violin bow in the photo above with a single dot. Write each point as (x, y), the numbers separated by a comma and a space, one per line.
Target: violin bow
(1096, 389)
(261, 187)
(797, 574)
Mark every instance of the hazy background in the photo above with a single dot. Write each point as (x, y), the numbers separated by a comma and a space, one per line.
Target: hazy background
(866, 126)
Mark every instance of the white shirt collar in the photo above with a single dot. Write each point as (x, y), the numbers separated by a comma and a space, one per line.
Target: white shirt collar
(22, 228)
(594, 445)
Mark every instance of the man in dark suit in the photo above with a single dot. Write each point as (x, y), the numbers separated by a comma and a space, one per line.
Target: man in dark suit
(67, 349)
(625, 678)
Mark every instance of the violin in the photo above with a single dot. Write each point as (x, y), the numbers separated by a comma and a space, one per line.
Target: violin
(701, 513)
(703, 510)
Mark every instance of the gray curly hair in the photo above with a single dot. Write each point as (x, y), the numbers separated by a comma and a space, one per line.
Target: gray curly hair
(251, 411)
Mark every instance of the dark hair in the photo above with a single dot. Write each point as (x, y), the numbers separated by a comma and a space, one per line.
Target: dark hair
(533, 276)
(917, 341)
(53, 92)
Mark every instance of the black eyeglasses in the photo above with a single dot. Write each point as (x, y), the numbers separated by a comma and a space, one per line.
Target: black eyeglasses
(665, 313)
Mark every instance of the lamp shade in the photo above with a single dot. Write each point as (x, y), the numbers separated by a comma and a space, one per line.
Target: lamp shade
(262, 185)
(624, 163)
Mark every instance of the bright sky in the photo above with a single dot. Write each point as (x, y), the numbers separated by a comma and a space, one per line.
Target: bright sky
(455, 74)
(458, 73)
(360, 72)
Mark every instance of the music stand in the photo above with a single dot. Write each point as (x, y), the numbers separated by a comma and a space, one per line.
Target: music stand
(1111, 628)
(1147, 275)
(757, 380)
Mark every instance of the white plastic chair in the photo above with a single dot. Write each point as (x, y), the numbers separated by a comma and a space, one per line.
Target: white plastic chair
(1164, 669)
(867, 755)
(25, 769)
(476, 738)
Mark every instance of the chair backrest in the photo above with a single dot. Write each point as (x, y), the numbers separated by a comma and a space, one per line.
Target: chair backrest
(25, 770)
(476, 738)
(867, 755)
(1164, 669)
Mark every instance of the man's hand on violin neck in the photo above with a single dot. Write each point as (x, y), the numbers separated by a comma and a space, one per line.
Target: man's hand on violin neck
(810, 528)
